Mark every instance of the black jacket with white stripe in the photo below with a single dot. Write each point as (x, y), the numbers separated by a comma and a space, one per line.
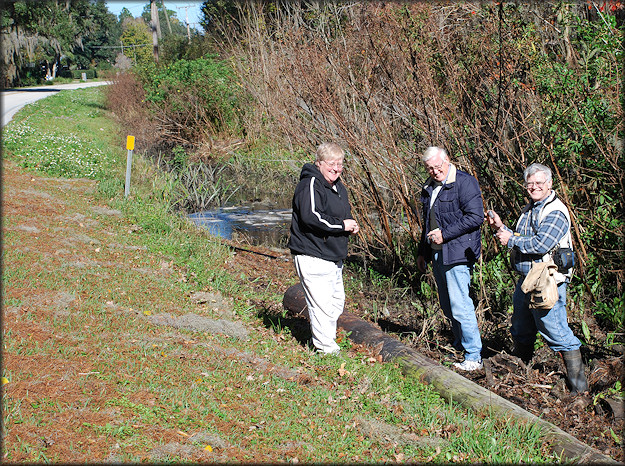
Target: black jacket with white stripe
(319, 209)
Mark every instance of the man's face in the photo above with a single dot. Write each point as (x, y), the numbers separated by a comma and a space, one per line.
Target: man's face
(537, 186)
(437, 167)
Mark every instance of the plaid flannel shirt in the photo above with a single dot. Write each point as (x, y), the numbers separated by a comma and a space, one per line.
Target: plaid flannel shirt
(536, 239)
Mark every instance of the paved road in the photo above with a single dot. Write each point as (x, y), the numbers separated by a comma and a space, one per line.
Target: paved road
(14, 99)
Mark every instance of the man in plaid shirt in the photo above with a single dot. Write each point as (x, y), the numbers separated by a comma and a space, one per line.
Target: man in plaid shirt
(544, 225)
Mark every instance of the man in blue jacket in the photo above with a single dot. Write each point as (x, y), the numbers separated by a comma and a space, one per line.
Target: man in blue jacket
(320, 228)
(453, 213)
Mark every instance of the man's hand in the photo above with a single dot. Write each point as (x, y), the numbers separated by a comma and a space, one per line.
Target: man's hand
(493, 219)
(351, 226)
(435, 236)
(503, 236)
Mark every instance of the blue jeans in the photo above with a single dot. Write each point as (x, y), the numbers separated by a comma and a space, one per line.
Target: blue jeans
(453, 282)
(551, 324)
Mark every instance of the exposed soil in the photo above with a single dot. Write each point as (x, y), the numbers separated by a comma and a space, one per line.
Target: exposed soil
(595, 418)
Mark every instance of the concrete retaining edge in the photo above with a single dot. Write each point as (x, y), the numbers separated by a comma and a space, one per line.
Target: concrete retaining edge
(450, 385)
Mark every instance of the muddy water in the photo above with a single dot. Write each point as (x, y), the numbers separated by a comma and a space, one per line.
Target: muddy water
(252, 224)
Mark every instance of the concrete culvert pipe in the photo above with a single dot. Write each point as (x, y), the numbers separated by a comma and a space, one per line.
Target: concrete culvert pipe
(449, 384)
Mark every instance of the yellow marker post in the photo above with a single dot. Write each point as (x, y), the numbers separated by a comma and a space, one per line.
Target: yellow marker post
(130, 145)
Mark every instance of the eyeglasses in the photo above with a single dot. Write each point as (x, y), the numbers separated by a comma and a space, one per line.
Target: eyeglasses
(531, 184)
(334, 165)
(435, 167)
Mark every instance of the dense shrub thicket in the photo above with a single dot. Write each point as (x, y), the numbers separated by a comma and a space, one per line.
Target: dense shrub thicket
(500, 85)
(193, 100)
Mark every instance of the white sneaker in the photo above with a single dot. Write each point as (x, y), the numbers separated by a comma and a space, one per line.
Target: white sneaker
(469, 365)
(327, 353)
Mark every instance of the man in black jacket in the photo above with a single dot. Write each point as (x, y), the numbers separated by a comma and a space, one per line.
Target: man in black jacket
(320, 228)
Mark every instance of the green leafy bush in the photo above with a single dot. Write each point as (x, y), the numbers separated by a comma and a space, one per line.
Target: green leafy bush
(194, 100)
(582, 121)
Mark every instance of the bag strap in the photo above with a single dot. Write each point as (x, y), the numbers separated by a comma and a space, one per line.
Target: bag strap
(540, 213)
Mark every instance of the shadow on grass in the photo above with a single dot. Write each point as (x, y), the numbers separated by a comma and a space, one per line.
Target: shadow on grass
(297, 326)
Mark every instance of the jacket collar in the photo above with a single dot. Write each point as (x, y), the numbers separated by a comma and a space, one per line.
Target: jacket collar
(540, 204)
(550, 197)
(451, 177)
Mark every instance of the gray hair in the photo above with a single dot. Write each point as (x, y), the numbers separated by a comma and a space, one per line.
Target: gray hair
(432, 152)
(535, 168)
(330, 151)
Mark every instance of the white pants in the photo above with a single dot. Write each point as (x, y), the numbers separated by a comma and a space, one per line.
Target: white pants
(325, 296)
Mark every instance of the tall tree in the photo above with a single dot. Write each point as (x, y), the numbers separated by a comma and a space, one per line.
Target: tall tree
(136, 40)
(125, 13)
(49, 32)
(219, 16)
(100, 38)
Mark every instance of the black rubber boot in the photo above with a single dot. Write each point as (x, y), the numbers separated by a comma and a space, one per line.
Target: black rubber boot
(575, 371)
(523, 351)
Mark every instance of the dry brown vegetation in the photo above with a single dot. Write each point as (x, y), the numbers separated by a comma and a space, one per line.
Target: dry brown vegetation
(126, 96)
(499, 85)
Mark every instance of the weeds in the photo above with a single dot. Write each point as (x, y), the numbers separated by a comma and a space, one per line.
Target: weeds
(193, 100)
(198, 186)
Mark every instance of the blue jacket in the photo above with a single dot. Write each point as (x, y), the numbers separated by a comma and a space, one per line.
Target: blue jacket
(460, 213)
(319, 209)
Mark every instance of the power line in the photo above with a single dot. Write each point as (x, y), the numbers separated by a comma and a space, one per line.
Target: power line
(186, 10)
(118, 46)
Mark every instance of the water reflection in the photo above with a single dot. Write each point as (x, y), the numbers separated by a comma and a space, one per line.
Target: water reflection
(257, 226)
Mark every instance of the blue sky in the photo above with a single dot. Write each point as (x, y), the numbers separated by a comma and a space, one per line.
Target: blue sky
(136, 8)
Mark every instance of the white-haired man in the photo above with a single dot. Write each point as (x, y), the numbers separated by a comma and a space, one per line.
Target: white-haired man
(544, 225)
(453, 214)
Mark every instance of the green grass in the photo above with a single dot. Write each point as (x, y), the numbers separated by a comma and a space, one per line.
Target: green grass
(115, 379)
(62, 149)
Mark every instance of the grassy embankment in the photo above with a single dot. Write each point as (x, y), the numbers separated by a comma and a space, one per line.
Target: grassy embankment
(90, 376)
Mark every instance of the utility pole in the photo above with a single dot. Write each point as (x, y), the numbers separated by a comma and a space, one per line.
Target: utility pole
(166, 15)
(186, 11)
(156, 28)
